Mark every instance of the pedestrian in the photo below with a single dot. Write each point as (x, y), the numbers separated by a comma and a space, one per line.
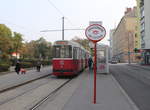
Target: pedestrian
(38, 67)
(23, 71)
(90, 63)
(18, 67)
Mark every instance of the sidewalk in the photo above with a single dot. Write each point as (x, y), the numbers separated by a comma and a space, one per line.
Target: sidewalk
(12, 79)
(110, 96)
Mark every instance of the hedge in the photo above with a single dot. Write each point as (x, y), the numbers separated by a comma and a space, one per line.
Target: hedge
(4, 67)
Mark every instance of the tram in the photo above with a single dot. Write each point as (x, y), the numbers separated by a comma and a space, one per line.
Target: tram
(69, 58)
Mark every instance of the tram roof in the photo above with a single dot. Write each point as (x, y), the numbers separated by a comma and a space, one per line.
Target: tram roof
(66, 42)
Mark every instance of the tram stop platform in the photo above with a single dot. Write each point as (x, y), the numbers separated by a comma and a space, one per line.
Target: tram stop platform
(110, 95)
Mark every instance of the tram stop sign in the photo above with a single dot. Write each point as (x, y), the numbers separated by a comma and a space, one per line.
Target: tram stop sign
(95, 32)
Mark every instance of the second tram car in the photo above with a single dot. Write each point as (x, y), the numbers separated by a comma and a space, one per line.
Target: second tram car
(69, 58)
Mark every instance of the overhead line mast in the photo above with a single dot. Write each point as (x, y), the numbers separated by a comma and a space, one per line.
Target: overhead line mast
(61, 29)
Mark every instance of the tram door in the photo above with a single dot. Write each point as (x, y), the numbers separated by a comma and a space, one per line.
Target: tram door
(102, 59)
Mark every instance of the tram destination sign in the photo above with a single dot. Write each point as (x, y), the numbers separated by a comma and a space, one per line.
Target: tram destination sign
(95, 32)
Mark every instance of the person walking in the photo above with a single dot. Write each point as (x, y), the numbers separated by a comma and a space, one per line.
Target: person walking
(38, 67)
(90, 63)
(17, 67)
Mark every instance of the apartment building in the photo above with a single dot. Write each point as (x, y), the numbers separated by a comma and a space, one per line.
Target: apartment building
(144, 19)
(126, 38)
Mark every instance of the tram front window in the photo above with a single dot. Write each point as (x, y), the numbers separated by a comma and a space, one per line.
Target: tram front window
(64, 51)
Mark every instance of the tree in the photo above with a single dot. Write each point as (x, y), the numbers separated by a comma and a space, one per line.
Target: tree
(5, 42)
(39, 49)
(17, 42)
(83, 42)
(30, 49)
(43, 49)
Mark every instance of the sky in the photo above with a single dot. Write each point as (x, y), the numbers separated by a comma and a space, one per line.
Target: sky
(31, 17)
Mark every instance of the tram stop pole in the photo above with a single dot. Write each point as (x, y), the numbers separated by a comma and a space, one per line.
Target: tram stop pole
(95, 68)
(95, 33)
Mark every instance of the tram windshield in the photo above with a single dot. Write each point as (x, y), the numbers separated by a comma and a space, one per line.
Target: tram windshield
(62, 51)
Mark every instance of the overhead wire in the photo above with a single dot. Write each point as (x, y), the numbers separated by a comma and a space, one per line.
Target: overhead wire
(52, 4)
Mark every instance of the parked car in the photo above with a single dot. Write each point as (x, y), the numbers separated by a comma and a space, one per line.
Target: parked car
(114, 62)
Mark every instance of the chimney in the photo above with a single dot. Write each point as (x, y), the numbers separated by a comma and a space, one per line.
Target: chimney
(128, 10)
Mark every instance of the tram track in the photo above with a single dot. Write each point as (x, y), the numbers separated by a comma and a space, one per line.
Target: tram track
(21, 85)
(38, 104)
(31, 95)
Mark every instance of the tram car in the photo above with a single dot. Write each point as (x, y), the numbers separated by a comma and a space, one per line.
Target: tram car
(69, 58)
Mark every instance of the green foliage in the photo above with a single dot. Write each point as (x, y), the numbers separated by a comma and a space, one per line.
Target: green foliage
(39, 49)
(5, 42)
(46, 62)
(4, 66)
(5, 31)
(83, 42)
(9, 43)
(17, 42)
(26, 64)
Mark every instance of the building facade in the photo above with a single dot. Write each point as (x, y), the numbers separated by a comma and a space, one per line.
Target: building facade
(126, 38)
(144, 12)
(111, 42)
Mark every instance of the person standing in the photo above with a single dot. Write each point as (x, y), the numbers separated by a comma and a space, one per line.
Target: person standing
(90, 63)
(18, 67)
(38, 67)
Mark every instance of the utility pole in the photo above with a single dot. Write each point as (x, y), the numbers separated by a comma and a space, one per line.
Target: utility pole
(129, 59)
(63, 28)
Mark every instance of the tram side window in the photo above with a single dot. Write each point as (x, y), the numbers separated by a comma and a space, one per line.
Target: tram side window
(66, 51)
(75, 53)
(56, 52)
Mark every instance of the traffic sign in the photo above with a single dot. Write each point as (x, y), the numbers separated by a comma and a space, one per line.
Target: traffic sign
(95, 32)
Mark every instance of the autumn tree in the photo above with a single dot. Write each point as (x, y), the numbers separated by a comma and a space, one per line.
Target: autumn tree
(37, 49)
(17, 42)
(83, 42)
(43, 48)
(6, 43)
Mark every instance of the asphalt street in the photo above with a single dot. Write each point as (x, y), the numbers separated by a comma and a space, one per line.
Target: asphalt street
(136, 83)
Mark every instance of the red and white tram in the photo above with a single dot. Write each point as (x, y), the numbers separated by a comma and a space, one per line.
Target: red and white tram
(69, 58)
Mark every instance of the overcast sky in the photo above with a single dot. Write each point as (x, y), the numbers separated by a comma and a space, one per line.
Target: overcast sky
(29, 17)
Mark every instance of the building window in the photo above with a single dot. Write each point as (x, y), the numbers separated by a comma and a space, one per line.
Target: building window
(135, 34)
(143, 26)
(142, 34)
(141, 3)
(142, 13)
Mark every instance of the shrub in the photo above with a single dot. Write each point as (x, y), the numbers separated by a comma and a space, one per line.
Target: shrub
(4, 67)
(46, 62)
(26, 65)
